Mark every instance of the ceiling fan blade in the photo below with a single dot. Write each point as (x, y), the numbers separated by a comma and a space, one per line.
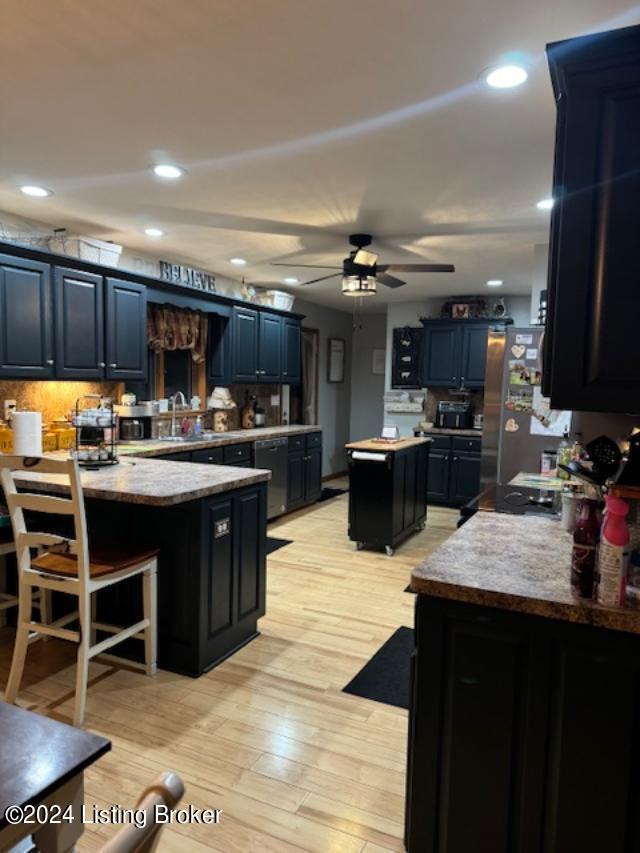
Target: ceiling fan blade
(389, 280)
(308, 266)
(417, 267)
(365, 258)
(323, 278)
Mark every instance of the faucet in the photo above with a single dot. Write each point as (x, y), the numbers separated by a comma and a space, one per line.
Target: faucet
(173, 401)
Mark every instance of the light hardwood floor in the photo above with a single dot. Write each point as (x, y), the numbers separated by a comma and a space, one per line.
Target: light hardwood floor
(268, 736)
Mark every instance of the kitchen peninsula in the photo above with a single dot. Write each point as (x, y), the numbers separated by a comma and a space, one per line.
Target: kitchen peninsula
(209, 523)
(524, 711)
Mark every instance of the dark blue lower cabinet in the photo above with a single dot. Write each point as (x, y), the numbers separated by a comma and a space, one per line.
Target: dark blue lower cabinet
(454, 470)
(296, 479)
(438, 483)
(504, 717)
(211, 574)
(304, 473)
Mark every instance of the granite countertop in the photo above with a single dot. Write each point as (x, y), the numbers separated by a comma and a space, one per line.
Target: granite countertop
(373, 445)
(155, 447)
(155, 482)
(465, 433)
(514, 562)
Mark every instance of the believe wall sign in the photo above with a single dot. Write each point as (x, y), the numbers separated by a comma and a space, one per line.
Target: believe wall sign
(187, 277)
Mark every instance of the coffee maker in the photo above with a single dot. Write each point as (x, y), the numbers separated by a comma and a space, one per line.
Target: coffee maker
(134, 422)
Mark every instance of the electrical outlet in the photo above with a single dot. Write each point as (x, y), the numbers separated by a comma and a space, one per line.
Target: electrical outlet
(9, 407)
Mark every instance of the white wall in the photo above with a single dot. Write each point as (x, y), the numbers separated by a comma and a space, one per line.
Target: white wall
(367, 388)
(333, 397)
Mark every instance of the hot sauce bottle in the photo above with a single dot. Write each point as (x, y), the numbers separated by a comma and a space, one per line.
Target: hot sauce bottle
(586, 536)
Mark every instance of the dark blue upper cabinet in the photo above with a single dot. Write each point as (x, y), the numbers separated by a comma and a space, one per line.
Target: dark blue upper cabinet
(474, 355)
(269, 350)
(126, 330)
(245, 344)
(442, 355)
(26, 319)
(79, 324)
(291, 352)
(219, 354)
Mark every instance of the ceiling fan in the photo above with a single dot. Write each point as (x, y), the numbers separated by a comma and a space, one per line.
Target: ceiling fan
(361, 271)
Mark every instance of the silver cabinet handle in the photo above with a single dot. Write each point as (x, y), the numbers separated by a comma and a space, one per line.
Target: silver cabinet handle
(101, 364)
(113, 365)
(284, 372)
(49, 361)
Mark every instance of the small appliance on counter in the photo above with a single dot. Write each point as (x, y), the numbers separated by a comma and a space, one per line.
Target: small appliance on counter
(134, 421)
(260, 417)
(95, 422)
(454, 415)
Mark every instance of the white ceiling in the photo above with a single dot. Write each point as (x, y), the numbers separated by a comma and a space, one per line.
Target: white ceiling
(299, 122)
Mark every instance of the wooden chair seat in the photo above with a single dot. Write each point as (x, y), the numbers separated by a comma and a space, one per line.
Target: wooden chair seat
(103, 560)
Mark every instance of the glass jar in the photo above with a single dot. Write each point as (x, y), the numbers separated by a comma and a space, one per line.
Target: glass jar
(6, 438)
(49, 439)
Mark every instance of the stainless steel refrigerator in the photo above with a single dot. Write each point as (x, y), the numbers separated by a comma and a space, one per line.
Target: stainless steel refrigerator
(517, 426)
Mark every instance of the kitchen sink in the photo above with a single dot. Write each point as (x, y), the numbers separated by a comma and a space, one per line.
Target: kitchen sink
(185, 439)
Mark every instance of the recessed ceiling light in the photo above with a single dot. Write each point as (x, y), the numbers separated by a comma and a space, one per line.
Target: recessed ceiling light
(290, 280)
(545, 204)
(494, 282)
(36, 192)
(166, 170)
(505, 76)
(237, 262)
(154, 232)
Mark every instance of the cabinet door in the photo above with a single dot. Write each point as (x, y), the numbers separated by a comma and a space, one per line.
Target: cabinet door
(245, 344)
(295, 479)
(591, 354)
(26, 319)
(126, 336)
(250, 520)
(219, 354)
(79, 313)
(441, 354)
(269, 351)
(474, 356)
(438, 478)
(291, 354)
(465, 477)
(218, 602)
(313, 475)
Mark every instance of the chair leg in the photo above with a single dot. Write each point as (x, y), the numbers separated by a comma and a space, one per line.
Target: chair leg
(82, 665)
(93, 634)
(149, 586)
(45, 608)
(21, 643)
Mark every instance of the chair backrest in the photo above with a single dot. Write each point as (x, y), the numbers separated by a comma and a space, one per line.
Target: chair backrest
(23, 468)
(167, 790)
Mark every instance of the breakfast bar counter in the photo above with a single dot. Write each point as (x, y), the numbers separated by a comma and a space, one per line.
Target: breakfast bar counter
(525, 702)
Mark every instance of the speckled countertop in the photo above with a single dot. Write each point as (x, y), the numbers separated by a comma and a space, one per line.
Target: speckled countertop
(514, 562)
(154, 447)
(156, 482)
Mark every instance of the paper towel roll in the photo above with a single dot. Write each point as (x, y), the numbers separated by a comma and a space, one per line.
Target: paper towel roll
(27, 433)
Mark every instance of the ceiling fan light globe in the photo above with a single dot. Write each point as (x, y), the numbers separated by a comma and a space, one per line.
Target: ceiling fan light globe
(359, 285)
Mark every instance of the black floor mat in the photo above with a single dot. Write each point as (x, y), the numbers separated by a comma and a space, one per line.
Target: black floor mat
(386, 677)
(273, 543)
(328, 493)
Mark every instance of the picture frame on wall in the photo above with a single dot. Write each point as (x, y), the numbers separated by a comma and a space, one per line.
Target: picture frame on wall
(336, 348)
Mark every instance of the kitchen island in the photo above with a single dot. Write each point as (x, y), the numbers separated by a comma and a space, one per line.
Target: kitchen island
(387, 490)
(209, 523)
(524, 729)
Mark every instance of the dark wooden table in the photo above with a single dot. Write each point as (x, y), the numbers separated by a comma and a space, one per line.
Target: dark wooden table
(42, 763)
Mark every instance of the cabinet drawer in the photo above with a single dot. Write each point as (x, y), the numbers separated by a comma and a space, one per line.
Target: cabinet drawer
(296, 442)
(440, 442)
(469, 445)
(176, 457)
(314, 439)
(233, 454)
(212, 456)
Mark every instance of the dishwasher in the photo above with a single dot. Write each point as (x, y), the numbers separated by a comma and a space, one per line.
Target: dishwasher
(273, 454)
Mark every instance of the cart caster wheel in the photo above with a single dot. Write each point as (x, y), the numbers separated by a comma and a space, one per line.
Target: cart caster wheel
(359, 546)
(389, 550)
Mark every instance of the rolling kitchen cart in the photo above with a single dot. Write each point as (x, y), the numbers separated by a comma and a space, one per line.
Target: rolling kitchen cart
(387, 490)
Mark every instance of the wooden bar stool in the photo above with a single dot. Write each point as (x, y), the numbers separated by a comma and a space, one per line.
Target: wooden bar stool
(68, 565)
(41, 598)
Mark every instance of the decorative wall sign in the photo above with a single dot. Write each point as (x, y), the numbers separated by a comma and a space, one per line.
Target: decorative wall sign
(187, 277)
(406, 361)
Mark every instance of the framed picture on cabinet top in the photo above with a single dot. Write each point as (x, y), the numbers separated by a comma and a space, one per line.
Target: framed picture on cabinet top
(335, 359)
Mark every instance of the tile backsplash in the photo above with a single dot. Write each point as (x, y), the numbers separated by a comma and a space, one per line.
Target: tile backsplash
(53, 399)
